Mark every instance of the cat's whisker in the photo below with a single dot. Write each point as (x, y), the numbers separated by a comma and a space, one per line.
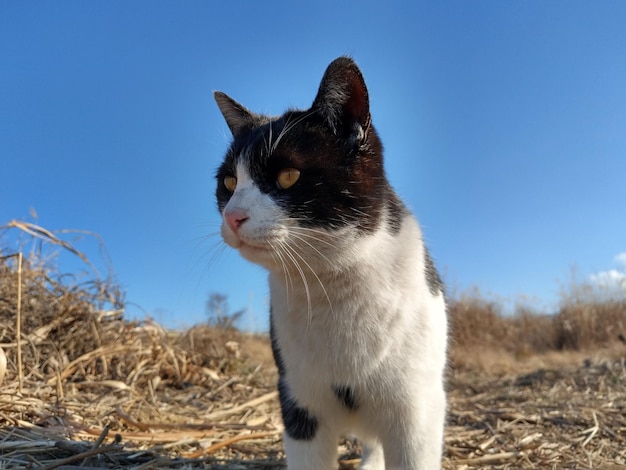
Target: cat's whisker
(276, 253)
(213, 253)
(323, 233)
(218, 242)
(287, 127)
(295, 252)
(300, 238)
(266, 144)
(360, 212)
(218, 250)
(206, 236)
(317, 235)
(269, 141)
(289, 253)
(272, 147)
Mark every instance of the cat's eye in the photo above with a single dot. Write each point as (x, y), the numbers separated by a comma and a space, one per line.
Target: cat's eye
(287, 177)
(230, 182)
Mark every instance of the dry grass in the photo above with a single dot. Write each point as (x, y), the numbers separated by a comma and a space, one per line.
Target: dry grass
(478, 326)
(97, 391)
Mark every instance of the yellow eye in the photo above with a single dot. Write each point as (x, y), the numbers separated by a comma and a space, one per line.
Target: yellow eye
(287, 177)
(230, 182)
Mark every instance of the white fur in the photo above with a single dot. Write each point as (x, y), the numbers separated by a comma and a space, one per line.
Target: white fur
(352, 310)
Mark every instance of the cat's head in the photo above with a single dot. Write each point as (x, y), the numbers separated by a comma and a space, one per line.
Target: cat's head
(298, 187)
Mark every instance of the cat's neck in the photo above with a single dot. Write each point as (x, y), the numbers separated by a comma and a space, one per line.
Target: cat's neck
(353, 261)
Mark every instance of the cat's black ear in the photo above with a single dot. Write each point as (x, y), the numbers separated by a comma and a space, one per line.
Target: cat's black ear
(238, 117)
(343, 100)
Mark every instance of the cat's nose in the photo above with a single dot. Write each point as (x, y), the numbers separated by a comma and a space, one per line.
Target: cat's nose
(235, 220)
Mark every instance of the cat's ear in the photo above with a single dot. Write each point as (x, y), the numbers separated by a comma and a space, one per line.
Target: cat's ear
(238, 117)
(343, 100)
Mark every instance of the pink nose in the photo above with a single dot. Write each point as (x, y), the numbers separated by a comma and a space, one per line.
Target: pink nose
(235, 220)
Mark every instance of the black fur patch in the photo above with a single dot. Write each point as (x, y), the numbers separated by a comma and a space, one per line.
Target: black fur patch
(278, 359)
(435, 286)
(299, 424)
(396, 212)
(346, 397)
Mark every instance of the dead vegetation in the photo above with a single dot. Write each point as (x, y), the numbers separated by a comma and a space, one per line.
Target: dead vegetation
(84, 388)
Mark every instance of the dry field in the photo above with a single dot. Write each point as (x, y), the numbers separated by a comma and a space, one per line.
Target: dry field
(85, 388)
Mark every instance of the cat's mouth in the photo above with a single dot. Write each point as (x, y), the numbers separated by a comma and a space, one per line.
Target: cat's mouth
(258, 246)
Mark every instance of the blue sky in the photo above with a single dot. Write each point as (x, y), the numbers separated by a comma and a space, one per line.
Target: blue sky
(504, 125)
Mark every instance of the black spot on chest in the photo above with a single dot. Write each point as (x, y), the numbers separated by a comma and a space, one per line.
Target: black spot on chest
(346, 396)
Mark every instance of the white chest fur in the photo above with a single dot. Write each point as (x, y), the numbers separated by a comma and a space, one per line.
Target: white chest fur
(372, 313)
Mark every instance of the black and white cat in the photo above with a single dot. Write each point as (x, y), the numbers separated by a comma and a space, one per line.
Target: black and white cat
(358, 317)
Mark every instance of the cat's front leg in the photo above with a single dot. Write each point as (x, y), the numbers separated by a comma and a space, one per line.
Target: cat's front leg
(373, 457)
(415, 441)
(309, 443)
(319, 453)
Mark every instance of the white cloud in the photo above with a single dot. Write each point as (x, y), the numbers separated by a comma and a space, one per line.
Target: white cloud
(611, 278)
(614, 279)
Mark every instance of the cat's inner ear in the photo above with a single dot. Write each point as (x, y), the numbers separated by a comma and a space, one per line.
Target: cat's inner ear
(238, 117)
(343, 100)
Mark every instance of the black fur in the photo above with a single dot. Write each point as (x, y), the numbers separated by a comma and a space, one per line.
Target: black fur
(396, 211)
(280, 365)
(299, 424)
(346, 397)
(435, 285)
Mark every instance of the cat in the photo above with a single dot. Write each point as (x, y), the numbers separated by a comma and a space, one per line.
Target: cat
(357, 311)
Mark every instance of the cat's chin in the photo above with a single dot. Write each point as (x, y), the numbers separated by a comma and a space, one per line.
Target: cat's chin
(256, 254)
